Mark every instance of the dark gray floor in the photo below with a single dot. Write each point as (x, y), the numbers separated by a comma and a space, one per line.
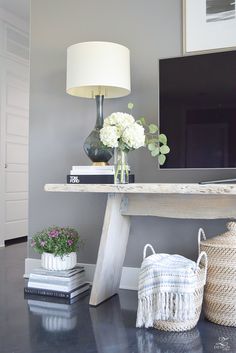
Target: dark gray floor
(29, 327)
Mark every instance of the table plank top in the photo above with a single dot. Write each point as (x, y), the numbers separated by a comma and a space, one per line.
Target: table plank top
(146, 188)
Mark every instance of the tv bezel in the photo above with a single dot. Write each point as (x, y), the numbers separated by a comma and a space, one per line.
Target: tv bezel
(158, 109)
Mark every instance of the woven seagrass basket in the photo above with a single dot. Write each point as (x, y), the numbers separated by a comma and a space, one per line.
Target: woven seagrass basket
(220, 290)
(185, 325)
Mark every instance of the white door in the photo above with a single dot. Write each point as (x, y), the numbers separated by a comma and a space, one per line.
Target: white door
(14, 126)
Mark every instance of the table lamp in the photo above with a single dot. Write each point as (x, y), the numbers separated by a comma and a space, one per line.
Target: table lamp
(98, 70)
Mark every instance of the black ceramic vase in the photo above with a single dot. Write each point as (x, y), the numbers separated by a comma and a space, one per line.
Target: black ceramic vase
(93, 147)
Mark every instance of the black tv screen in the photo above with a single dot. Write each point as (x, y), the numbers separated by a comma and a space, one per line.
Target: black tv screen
(198, 110)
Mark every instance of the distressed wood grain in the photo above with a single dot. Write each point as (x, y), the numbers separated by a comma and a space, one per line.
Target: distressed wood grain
(111, 253)
(148, 188)
(185, 206)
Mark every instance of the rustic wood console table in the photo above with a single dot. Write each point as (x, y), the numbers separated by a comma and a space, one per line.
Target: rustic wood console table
(191, 201)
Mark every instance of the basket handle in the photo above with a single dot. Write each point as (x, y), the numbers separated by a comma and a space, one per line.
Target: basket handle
(203, 254)
(202, 234)
(145, 250)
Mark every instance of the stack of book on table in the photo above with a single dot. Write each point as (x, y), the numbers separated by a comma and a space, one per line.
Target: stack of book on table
(58, 284)
(93, 175)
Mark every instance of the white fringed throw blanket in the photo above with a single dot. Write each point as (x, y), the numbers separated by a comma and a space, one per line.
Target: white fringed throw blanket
(166, 289)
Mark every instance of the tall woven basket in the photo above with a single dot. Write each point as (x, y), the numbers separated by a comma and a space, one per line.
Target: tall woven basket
(220, 290)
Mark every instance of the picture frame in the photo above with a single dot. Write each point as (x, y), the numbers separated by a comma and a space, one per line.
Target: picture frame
(208, 25)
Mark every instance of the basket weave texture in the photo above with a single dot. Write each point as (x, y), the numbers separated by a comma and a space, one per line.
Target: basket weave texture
(151, 341)
(220, 290)
(179, 326)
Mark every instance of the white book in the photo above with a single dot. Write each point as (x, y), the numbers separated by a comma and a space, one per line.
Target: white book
(92, 170)
(63, 273)
(93, 167)
(35, 277)
(37, 283)
(51, 281)
(56, 287)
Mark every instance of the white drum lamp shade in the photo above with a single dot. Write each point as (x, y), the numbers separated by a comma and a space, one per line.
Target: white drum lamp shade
(98, 69)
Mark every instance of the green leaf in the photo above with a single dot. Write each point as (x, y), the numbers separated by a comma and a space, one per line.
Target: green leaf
(153, 128)
(155, 152)
(142, 121)
(130, 105)
(151, 146)
(163, 139)
(164, 149)
(161, 159)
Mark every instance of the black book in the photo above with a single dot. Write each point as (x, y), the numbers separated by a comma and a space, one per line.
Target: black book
(59, 294)
(94, 179)
(56, 300)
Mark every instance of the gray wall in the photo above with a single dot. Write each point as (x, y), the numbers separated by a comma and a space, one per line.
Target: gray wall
(59, 123)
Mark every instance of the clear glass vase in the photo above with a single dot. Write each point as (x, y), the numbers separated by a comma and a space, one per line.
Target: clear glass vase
(121, 166)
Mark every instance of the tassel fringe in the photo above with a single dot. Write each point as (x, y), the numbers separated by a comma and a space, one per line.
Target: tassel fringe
(165, 306)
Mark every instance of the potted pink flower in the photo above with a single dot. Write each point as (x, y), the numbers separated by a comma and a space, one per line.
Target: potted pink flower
(58, 246)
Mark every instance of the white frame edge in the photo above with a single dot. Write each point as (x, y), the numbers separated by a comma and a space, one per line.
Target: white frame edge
(196, 52)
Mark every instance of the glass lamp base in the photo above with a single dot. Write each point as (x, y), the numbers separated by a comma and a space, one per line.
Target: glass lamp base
(95, 150)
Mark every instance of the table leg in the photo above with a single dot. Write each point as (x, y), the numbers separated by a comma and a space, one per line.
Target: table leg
(111, 254)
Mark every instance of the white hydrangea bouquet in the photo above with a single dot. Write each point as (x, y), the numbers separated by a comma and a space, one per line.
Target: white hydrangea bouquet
(123, 133)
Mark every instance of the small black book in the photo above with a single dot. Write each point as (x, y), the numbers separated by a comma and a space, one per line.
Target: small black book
(94, 179)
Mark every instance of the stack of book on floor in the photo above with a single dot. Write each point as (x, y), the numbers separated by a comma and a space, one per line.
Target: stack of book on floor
(58, 284)
(93, 175)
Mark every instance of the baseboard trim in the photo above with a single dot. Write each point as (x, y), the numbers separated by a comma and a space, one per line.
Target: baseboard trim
(9, 242)
(129, 277)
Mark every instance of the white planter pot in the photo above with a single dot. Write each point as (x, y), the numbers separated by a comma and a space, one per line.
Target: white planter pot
(58, 263)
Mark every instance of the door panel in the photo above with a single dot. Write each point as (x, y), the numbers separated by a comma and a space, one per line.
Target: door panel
(16, 182)
(14, 151)
(16, 210)
(17, 95)
(16, 229)
(17, 125)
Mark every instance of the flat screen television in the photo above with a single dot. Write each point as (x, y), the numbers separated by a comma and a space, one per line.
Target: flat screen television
(197, 110)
